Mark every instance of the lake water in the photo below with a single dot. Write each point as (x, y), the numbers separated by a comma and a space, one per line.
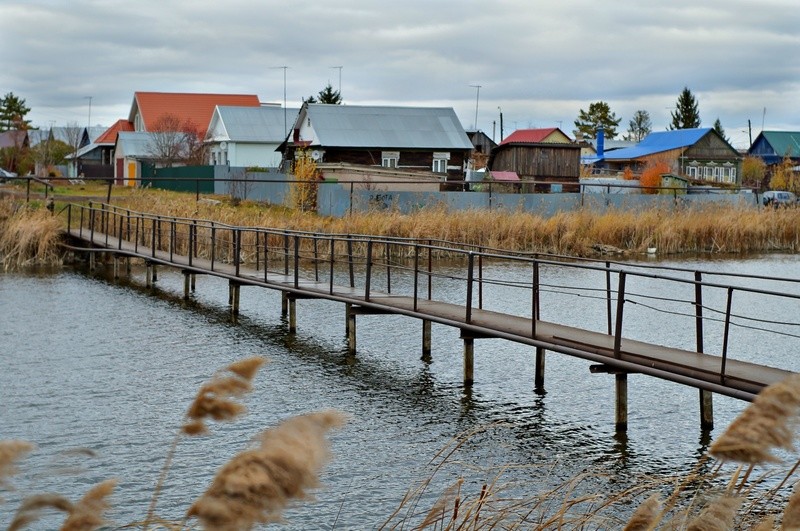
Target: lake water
(87, 362)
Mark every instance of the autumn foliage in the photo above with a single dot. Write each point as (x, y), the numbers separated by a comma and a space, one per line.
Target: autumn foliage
(651, 177)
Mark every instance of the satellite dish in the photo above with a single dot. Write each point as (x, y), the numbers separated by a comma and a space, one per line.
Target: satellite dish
(316, 155)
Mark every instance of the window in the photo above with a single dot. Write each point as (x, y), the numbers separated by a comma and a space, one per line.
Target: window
(440, 162)
(691, 171)
(389, 159)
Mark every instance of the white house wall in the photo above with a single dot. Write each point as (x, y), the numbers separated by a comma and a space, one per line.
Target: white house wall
(263, 155)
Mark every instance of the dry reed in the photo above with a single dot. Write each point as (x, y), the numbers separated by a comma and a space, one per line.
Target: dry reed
(257, 484)
(10, 453)
(763, 426)
(702, 229)
(645, 515)
(719, 515)
(28, 237)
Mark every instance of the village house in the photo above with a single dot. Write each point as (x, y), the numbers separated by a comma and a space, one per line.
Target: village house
(773, 146)
(350, 141)
(248, 136)
(699, 154)
(547, 156)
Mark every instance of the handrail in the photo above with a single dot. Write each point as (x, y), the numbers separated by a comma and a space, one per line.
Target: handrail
(237, 246)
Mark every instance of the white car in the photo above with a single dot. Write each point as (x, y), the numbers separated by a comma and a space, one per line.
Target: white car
(5, 174)
(776, 198)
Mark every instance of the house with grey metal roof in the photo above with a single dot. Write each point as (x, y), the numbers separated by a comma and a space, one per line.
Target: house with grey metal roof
(130, 150)
(410, 139)
(248, 136)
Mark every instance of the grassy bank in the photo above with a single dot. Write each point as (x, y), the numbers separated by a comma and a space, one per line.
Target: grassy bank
(28, 236)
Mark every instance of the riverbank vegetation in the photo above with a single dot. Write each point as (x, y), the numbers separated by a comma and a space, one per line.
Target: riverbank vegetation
(28, 236)
(734, 486)
(584, 233)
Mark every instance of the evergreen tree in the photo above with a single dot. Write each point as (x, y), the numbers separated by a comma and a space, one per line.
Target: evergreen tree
(12, 113)
(329, 96)
(639, 126)
(686, 114)
(599, 114)
(718, 128)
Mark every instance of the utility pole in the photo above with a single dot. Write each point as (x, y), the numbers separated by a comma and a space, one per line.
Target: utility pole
(477, 98)
(285, 125)
(89, 122)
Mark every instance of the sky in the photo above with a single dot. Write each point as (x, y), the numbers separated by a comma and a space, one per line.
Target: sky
(535, 62)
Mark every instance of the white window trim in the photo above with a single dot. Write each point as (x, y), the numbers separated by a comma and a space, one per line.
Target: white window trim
(390, 159)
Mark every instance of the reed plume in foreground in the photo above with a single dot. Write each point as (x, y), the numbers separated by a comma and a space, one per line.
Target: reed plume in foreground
(258, 483)
(763, 426)
(10, 453)
(86, 515)
(214, 400)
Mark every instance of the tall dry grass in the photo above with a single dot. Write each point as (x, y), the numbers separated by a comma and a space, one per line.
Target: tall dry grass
(702, 229)
(28, 236)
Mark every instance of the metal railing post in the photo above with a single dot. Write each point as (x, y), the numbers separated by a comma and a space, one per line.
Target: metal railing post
(213, 244)
(266, 254)
(296, 260)
(725, 335)
(237, 247)
(416, 275)
(286, 253)
(534, 298)
(171, 239)
(430, 270)
(350, 260)
(333, 248)
(316, 258)
(480, 278)
(368, 276)
(608, 297)
(388, 257)
(618, 323)
(470, 264)
(153, 240)
(698, 310)
(192, 236)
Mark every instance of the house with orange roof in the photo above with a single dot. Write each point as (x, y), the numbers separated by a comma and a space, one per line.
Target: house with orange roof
(547, 156)
(153, 111)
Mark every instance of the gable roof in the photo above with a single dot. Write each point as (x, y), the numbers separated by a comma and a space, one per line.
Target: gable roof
(781, 142)
(256, 124)
(385, 127)
(188, 107)
(14, 138)
(659, 142)
(110, 134)
(531, 136)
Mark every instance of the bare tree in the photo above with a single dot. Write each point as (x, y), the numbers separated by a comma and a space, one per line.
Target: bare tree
(167, 140)
(73, 134)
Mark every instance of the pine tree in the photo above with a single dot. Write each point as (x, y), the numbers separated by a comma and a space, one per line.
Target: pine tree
(639, 126)
(718, 128)
(599, 114)
(12, 113)
(686, 115)
(329, 96)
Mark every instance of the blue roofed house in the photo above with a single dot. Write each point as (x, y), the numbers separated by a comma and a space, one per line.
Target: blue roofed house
(422, 143)
(248, 136)
(773, 146)
(699, 154)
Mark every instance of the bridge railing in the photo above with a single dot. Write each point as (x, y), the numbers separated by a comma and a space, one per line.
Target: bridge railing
(463, 274)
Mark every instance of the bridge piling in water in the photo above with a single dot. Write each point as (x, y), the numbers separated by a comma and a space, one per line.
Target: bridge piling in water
(706, 410)
(621, 411)
(426, 339)
(538, 378)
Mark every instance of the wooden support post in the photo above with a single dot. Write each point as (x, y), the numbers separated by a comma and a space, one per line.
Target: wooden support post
(706, 410)
(469, 360)
(426, 339)
(155, 273)
(351, 330)
(186, 284)
(538, 378)
(128, 266)
(235, 290)
(348, 309)
(194, 281)
(292, 315)
(284, 304)
(116, 268)
(149, 274)
(91, 261)
(622, 402)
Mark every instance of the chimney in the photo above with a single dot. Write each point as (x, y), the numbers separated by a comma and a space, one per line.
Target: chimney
(601, 142)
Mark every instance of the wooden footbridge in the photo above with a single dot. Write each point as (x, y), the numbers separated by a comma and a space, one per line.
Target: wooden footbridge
(358, 271)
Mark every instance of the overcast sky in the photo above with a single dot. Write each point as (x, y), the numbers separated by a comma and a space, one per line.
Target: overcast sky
(539, 62)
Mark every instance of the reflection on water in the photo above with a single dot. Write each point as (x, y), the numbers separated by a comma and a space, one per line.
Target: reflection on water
(109, 366)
